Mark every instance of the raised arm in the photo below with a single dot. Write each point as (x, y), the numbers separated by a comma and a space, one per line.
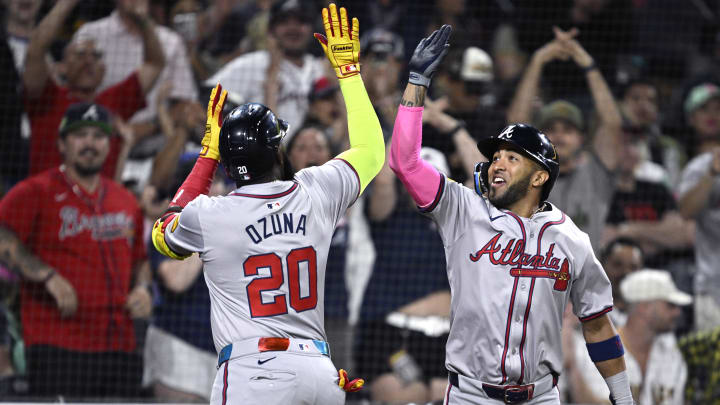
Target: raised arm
(36, 73)
(200, 178)
(606, 351)
(342, 47)
(465, 145)
(153, 56)
(520, 110)
(608, 141)
(420, 178)
(693, 201)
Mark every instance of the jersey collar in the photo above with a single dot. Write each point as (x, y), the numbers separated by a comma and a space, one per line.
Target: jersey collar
(270, 190)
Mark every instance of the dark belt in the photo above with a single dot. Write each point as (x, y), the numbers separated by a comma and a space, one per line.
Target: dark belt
(509, 394)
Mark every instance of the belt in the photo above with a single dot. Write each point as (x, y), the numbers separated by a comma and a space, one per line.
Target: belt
(511, 394)
(271, 344)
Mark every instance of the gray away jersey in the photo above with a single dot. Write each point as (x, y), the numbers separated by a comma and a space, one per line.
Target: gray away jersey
(264, 248)
(510, 280)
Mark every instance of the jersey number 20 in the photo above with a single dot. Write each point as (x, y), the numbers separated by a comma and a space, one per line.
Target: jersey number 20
(278, 305)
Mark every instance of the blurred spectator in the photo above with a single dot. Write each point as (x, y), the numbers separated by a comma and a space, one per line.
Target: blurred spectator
(181, 134)
(646, 212)
(82, 70)
(605, 30)
(467, 84)
(699, 199)
(404, 319)
(180, 358)
(700, 350)
(195, 23)
(121, 37)
(655, 366)
(327, 112)
(585, 186)
(639, 105)
(13, 380)
(463, 151)
(702, 112)
(424, 17)
(667, 36)
(84, 266)
(387, 15)
(383, 58)
(308, 148)
(282, 76)
(243, 30)
(19, 19)
(509, 63)
(619, 258)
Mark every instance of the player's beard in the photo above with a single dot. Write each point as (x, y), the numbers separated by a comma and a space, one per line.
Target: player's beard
(514, 193)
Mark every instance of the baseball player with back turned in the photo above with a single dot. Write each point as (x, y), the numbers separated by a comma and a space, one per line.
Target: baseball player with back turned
(264, 246)
(513, 260)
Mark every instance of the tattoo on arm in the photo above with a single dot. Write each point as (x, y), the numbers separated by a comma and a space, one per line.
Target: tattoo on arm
(18, 258)
(416, 100)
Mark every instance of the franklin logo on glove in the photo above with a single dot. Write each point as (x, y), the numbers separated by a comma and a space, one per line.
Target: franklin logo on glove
(342, 48)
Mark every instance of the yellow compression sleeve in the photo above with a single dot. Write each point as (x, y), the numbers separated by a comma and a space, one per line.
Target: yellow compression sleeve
(367, 148)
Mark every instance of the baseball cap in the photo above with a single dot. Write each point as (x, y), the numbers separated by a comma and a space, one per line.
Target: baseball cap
(436, 159)
(289, 8)
(699, 95)
(560, 110)
(80, 115)
(471, 65)
(380, 41)
(322, 88)
(649, 285)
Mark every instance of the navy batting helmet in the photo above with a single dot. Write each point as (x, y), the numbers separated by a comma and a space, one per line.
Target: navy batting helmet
(529, 141)
(250, 138)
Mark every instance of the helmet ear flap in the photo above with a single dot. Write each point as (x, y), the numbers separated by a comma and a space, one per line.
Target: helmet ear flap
(481, 178)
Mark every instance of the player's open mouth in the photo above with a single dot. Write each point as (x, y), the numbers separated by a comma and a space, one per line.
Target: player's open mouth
(498, 182)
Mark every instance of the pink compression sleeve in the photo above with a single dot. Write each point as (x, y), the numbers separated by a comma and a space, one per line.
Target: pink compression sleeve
(420, 178)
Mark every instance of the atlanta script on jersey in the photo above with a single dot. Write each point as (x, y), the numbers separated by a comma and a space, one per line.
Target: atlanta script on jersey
(510, 279)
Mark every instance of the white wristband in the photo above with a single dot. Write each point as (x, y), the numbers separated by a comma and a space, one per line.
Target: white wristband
(620, 388)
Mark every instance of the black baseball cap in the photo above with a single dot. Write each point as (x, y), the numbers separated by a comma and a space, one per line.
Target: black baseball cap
(282, 9)
(80, 115)
(380, 41)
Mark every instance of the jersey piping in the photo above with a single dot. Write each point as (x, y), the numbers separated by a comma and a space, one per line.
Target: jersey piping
(532, 288)
(434, 203)
(596, 314)
(357, 177)
(512, 302)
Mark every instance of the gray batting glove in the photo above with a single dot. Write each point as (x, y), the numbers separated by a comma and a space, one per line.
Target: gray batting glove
(427, 56)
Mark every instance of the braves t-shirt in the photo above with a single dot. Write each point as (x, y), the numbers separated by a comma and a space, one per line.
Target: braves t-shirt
(93, 240)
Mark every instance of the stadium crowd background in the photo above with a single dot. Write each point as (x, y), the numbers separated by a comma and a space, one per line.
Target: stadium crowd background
(640, 160)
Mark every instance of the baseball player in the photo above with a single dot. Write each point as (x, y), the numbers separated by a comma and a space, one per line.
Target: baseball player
(513, 260)
(264, 246)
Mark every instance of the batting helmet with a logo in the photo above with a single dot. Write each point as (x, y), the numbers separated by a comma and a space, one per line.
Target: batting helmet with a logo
(250, 138)
(529, 141)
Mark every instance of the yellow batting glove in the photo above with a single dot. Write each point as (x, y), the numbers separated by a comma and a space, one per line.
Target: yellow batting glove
(348, 385)
(214, 122)
(342, 46)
